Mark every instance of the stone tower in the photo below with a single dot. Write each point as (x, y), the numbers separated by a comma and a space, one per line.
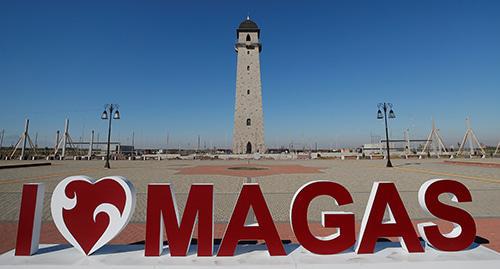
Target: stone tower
(248, 133)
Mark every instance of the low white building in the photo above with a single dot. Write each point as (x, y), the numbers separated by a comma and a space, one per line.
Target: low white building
(372, 148)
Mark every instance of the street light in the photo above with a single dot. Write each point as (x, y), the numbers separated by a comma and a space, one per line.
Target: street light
(384, 107)
(106, 115)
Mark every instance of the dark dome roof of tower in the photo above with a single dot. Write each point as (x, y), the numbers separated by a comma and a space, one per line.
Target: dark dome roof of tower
(248, 24)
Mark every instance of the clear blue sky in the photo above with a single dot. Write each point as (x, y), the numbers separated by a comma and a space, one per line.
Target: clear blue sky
(325, 65)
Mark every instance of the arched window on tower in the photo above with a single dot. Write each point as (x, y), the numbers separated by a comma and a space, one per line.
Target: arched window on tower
(249, 122)
(248, 68)
(248, 38)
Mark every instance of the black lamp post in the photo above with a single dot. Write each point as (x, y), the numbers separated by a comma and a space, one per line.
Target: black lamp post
(385, 107)
(106, 115)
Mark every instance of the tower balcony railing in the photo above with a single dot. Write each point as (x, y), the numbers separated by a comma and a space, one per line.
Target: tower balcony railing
(248, 44)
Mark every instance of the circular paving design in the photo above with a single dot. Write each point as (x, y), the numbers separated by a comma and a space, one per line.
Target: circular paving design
(248, 170)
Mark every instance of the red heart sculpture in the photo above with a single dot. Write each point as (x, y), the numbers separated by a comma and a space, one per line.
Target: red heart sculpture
(89, 213)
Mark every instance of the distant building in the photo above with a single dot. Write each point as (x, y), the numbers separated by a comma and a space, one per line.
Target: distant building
(125, 150)
(248, 133)
(372, 148)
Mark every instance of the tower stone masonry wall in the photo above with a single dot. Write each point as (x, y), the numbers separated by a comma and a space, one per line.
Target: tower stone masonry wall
(248, 137)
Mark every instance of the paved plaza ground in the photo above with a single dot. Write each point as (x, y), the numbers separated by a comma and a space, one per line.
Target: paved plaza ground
(278, 180)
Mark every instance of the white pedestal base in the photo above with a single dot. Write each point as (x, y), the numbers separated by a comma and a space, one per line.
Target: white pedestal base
(252, 256)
